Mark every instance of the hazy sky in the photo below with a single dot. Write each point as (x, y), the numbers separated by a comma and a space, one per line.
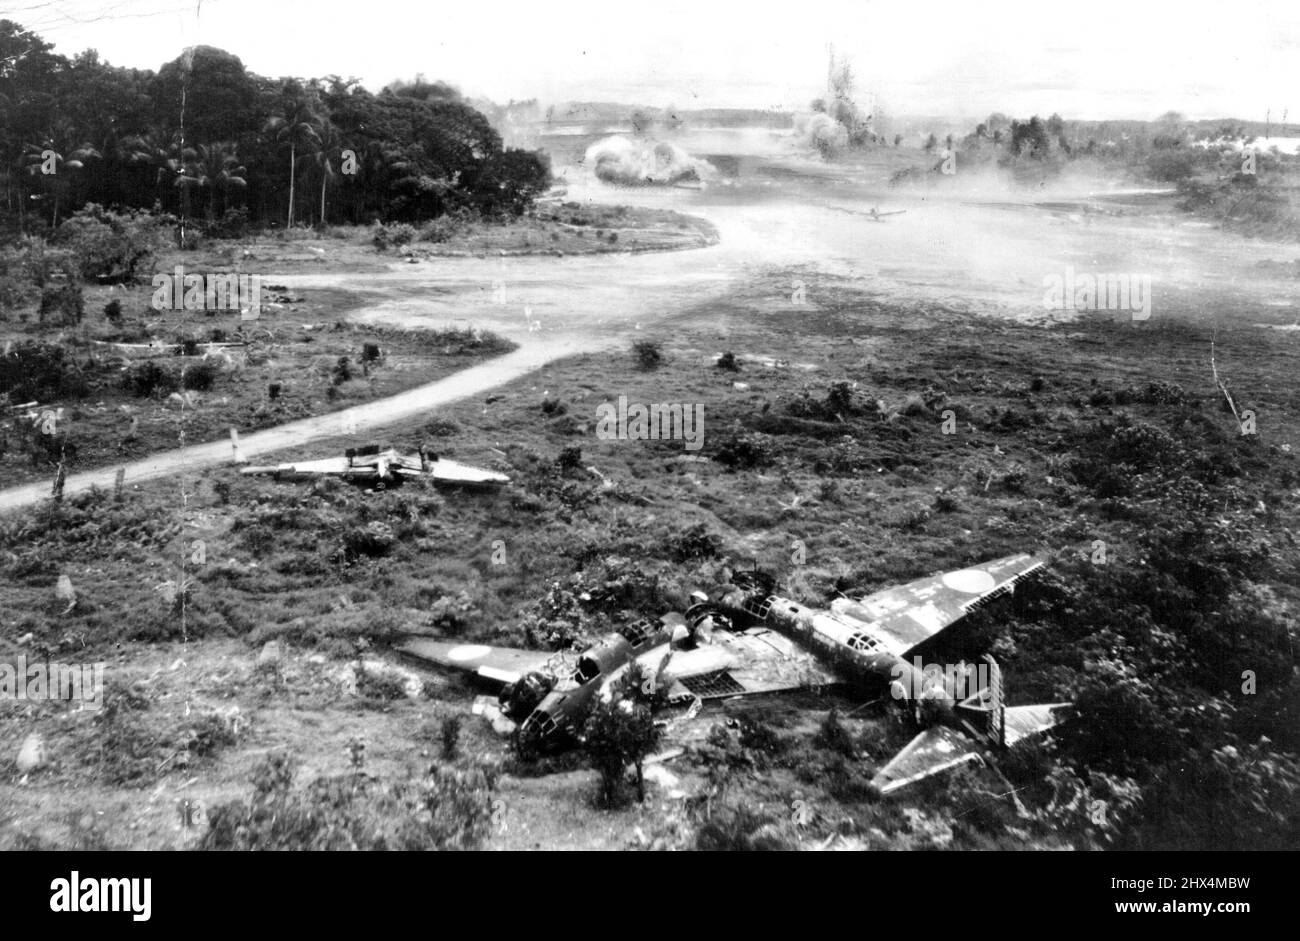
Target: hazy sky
(1102, 58)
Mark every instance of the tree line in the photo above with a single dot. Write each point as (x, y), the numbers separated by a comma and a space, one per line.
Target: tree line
(205, 139)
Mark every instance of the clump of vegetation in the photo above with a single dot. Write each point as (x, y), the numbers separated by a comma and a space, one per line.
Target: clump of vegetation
(740, 827)
(453, 614)
(760, 740)
(557, 619)
(371, 541)
(728, 362)
(744, 451)
(1111, 457)
(149, 379)
(200, 376)
(694, 543)
(569, 459)
(441, 428)
(129, 745)
(449, 735)
(839, 399)
(110, 246)
(25, 269)
(442, 229)
(32, 371)
(379, 686)
(948, 501)
(832, 736)
(1156, 392)
(648, 353)
(618, 733)
(396, 236)
(64, 305)
(448, 809)
(463, 341)
(211, 733)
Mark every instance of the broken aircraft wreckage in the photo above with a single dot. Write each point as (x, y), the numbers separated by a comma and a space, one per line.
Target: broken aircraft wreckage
(383, 468)
(755, 641)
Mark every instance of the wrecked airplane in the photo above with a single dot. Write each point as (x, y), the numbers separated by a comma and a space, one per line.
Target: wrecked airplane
(754, 641)
(371, 466)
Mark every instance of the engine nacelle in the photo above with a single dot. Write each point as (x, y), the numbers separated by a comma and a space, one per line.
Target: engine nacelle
(520, 698)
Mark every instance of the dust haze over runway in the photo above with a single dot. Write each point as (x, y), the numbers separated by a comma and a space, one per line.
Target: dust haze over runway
(972, 243)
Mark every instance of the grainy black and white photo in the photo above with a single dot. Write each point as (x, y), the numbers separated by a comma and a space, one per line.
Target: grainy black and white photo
(845, 425)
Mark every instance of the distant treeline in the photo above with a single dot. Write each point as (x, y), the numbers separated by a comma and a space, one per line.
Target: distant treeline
(601, 114)
(1170, 149)
(204, 138)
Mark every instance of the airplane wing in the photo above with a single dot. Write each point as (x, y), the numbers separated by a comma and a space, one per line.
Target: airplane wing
(936, 749)
(909, 614)
(329, 467)
(453, 472)
(495, 664)
(363, 467)
(745, 663)
(1024, 721)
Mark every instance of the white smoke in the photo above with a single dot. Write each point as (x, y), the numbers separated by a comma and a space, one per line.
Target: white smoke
(822, 132)
(635, 163)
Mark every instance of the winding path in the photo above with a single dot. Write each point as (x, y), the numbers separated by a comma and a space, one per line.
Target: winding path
(404, 405)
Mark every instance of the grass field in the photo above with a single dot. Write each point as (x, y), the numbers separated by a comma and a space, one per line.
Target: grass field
(831, 467)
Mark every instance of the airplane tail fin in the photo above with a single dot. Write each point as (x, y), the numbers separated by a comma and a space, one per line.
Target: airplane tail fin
(653, 683)
(984, 714)
(986, 720)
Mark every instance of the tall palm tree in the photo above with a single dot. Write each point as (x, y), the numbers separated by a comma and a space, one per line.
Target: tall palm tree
(299, 126)
(162, 149)
(387, 168)
(61, 149)
(213, 167)
(331, 144)
(8, 143)
(123, 153)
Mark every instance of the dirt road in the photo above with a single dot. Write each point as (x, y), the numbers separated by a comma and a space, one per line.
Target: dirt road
(409, 404)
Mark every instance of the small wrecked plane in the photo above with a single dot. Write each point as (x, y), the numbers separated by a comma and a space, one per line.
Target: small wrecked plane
(377, 468)
(874, 214)
(755, 641)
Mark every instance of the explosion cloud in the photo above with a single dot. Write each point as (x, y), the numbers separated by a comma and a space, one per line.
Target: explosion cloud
(630, 163)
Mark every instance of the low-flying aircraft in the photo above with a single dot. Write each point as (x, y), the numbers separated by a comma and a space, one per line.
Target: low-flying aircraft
(383, 468)
(874, 214)
(753, 640)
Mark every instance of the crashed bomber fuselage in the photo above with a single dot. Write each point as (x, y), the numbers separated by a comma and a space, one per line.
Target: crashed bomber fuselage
(553, 707)
(565, 702)
(753, 641)
(847, 644)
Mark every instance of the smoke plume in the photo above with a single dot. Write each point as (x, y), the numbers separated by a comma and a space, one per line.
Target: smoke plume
(634, 163)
